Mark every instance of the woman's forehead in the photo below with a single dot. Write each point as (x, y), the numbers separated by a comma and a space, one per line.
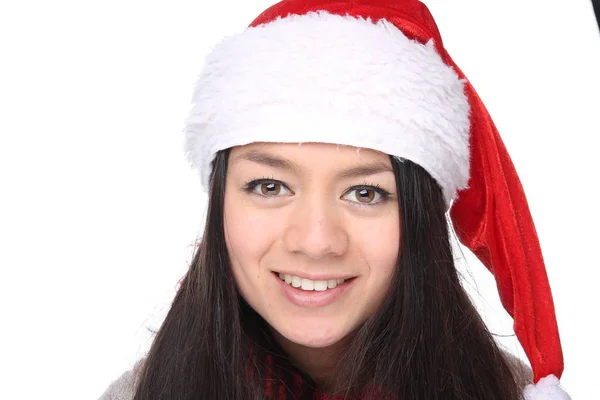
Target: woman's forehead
(310, 149)
(338, 162)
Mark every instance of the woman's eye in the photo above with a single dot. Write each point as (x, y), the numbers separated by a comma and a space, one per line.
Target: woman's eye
(365, 196)
(268, 189)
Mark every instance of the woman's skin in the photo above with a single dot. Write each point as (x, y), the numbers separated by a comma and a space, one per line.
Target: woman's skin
(305, 220)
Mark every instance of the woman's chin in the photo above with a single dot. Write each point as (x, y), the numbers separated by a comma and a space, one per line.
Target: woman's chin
(314, 336)
(316, 342)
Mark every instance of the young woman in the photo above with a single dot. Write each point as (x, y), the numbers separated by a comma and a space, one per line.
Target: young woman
(334, 138)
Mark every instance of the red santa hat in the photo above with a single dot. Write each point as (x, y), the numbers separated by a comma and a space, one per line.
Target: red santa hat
(375, 74)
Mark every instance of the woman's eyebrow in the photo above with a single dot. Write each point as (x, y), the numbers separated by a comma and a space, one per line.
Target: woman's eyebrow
(370, 168)
(270, 160)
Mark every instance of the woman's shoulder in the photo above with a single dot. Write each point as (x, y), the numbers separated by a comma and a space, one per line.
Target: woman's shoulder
(123, 388)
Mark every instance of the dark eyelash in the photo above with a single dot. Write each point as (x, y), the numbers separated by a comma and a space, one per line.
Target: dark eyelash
(385, 195)
(248, 186)
(372, 186)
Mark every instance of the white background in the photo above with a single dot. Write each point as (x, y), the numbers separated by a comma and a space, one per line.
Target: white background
(98, 208)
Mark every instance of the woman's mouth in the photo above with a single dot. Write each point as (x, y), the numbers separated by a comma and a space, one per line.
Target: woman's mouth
(311, 293)
(309, 284)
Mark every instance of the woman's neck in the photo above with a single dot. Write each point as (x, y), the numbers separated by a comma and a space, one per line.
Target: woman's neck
(319, 363)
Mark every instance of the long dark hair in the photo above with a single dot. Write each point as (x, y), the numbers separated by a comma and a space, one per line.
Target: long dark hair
(426, 341)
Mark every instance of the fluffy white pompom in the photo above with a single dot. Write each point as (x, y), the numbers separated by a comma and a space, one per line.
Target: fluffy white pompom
(547, 388)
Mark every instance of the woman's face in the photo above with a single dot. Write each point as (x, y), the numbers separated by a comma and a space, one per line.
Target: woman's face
(299, 219)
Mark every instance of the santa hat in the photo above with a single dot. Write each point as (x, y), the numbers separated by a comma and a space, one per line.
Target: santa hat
(375, 74)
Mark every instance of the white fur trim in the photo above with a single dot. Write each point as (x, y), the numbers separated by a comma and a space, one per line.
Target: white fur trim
(326, 78)
(547, 388)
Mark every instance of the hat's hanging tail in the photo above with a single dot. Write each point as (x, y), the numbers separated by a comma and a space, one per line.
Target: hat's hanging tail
(492, 218)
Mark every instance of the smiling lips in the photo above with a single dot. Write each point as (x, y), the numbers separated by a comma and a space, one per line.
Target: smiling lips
(308, 293)
(309, 284)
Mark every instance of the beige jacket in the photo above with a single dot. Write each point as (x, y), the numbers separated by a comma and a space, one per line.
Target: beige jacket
(124, 387)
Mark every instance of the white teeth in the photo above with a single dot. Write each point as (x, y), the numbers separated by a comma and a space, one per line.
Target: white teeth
(296, 282)
(308, 284)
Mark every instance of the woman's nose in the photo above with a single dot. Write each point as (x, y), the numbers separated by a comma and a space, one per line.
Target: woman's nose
(315, 228)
